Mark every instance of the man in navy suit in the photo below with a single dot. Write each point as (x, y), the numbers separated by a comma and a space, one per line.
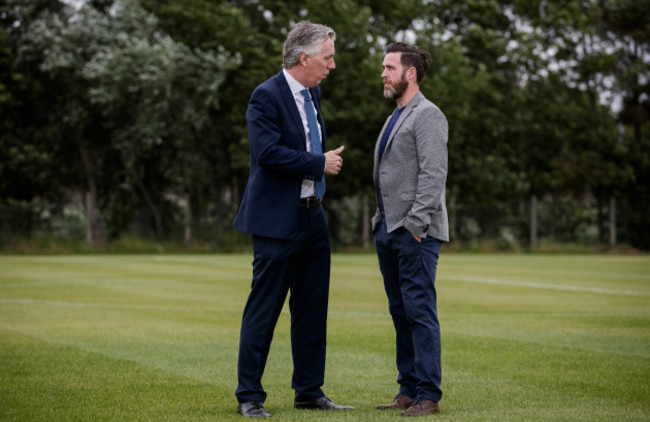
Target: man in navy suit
(281, 208)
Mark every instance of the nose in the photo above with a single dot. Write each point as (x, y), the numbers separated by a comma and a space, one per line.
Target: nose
(332, 64)
(383, 74)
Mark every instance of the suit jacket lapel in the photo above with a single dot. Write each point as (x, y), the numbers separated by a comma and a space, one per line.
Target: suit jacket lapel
(399, 122)
(381, 135)
(290, 104)
(405, 114)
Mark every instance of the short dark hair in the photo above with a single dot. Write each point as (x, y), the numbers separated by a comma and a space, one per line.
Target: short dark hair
(411, 56)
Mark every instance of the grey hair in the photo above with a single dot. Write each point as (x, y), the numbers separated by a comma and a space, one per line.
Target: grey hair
(305, 37)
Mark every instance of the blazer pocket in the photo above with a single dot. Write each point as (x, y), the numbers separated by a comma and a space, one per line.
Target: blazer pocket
(408, 196)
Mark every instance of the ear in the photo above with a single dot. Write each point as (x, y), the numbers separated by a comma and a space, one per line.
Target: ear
(413, 73)
(304, 59)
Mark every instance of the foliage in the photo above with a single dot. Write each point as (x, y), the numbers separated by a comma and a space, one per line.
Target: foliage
(134, 110)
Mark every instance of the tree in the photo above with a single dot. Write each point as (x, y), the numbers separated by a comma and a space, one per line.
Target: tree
(139, 106)
(131, 80)
(627, 27)
(34, 169)
(600, 48)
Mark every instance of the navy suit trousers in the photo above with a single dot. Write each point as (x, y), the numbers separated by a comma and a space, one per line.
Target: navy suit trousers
(409, 271)
(300, 265)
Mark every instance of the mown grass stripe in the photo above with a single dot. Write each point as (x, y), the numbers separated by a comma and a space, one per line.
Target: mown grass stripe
(140, 338)
(549, 286)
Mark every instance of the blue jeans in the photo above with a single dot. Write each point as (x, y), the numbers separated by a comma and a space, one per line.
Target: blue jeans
(409, 271)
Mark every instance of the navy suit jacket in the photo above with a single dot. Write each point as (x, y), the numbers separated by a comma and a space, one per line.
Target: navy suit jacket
(279, 161)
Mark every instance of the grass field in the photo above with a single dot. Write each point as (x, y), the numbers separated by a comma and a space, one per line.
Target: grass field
(154, 338)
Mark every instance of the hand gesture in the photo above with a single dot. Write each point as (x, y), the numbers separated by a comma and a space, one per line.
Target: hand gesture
(334, 161)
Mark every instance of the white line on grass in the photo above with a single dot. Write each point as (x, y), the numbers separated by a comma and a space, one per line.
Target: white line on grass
(114, 305)
(207, 262)
(534, 285)
(170, 308)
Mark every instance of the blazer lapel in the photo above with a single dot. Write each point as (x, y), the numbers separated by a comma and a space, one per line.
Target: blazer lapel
(290, 104)
(405, 114)
(376, 155)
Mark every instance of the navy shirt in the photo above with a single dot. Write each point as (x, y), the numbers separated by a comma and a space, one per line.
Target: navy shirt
(382, 148)
(389, 129)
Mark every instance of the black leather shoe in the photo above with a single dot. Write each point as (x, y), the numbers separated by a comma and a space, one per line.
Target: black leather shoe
(253, 409)
(322, 403)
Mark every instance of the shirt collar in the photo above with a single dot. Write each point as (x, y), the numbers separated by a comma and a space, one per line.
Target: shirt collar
(294, 85)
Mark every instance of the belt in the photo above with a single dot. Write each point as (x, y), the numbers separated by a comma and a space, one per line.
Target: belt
(310, 201)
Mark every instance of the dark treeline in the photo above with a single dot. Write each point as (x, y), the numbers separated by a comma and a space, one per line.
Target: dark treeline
(126, 118)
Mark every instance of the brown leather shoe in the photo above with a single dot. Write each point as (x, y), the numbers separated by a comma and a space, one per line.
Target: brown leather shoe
(421, 408)
(401, 402)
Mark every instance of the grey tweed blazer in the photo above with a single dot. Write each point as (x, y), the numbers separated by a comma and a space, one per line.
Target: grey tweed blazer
(413, 172)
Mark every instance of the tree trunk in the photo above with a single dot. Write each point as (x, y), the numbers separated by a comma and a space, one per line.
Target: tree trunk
(533, 223)
(365, 221)
(92, 233)
(452, 216)
(612, 222)
(187, 237)
(155, 211)
(90, 196)
(601, 220)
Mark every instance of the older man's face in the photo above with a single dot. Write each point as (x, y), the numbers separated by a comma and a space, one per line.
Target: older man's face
(320, 65)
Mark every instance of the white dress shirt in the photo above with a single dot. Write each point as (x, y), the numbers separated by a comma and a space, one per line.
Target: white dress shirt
(307, 189)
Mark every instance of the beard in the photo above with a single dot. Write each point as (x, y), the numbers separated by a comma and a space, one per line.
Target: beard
(396, 90)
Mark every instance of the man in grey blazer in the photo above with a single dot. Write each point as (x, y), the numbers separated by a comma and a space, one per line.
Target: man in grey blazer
(410, 225)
